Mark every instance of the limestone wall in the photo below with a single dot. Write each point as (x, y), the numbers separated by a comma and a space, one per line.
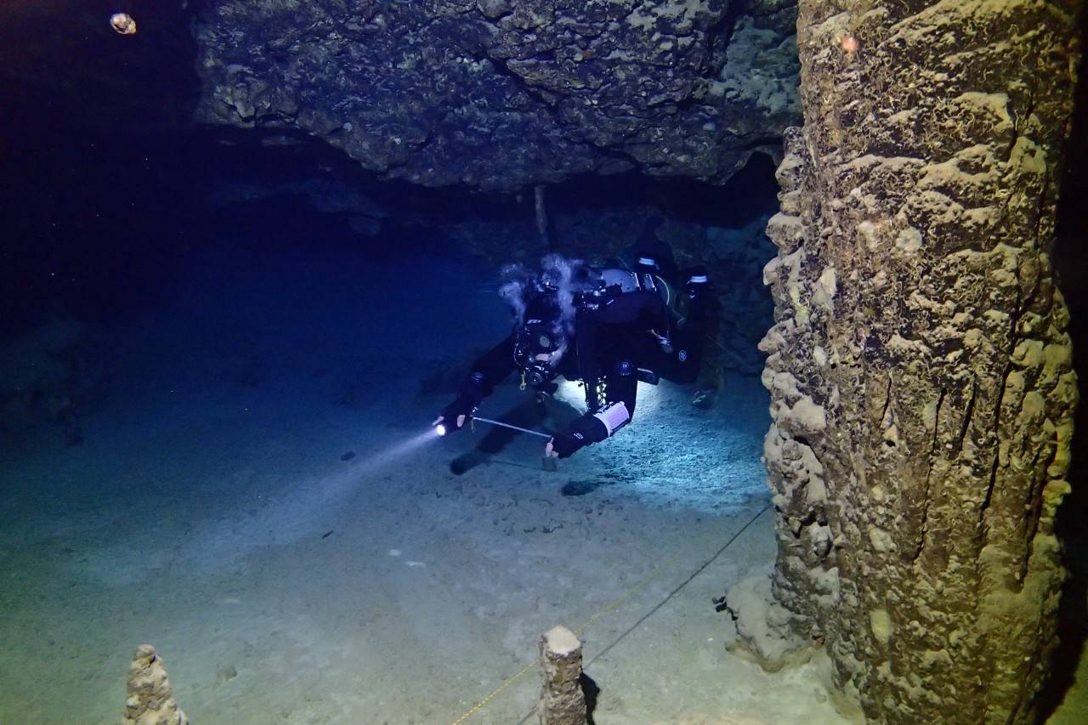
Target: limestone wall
(920, 368)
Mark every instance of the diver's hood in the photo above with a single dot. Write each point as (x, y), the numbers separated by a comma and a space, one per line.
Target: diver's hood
(541, 341)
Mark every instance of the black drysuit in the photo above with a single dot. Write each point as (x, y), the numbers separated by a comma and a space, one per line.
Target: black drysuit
(617, 340)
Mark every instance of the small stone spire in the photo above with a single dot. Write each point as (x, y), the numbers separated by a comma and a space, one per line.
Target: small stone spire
(562, 701)
(150, 697)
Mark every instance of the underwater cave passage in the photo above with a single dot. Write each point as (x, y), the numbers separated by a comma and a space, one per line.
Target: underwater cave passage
(240, 360)
(259, 259)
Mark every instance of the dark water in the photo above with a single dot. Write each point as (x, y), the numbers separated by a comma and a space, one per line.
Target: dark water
(220, 363)
(208, 357)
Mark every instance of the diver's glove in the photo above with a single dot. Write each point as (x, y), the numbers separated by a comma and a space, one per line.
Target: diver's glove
(456, 414)
(565, 445)
(590, 428)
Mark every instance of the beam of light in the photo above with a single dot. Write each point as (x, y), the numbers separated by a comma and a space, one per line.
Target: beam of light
(649, 397)
(298, 511)
(440, 429)
(399, 450)
(344, 482)
(571, 393)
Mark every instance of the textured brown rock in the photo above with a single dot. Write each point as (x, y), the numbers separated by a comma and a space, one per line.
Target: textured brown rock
(150, 697)
(504, 95)
(920, 368)
(561, 699)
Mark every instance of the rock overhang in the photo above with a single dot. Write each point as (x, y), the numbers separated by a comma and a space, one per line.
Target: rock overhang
(499, 96)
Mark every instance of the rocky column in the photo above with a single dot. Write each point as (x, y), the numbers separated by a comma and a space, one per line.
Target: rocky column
(562, 701)
(150, 697)
(919, 368)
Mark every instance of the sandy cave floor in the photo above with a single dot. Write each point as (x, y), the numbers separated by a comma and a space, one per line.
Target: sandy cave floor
(301, 548)
(282, 584)
(211, 512)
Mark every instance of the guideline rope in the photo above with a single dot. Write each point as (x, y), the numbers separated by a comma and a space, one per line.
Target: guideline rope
(612, 606)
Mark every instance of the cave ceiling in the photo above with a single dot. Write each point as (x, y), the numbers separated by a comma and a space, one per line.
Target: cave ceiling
(500, 95)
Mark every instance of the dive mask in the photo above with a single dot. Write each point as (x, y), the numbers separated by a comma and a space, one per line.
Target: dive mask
(537, 351)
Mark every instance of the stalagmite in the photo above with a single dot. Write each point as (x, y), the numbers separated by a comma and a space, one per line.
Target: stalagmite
(920, 367)
(561, 699)
(150, 697)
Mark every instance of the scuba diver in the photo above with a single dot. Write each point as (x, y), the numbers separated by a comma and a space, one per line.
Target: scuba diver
(607, 328)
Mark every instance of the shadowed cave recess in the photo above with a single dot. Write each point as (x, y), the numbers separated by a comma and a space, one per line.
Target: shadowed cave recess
(305, 207)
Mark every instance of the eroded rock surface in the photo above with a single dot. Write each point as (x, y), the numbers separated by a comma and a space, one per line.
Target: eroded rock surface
(150, 696)
(920, 367)
(500, 95)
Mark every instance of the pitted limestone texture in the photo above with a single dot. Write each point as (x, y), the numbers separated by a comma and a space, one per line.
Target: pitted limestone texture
(501, 95)
(150, 696)
(919, 365)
